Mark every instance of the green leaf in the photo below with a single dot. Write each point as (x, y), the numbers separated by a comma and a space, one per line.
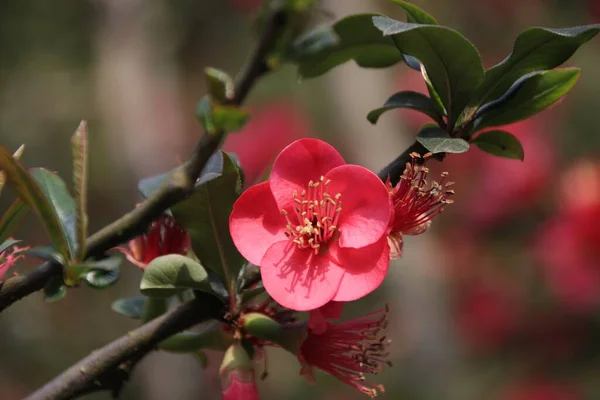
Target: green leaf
(98, 274)
(408, 99)
(29, 191)
(415, 14)
(534, 49)
(201, 357)
(155, 307)
(12, 218)
(219, 118)
(437, 140)
(102, 279)
(500, 143)
(451, 61)
(528, 96)
(132, 307)
(54, 289)
(171, 274)
(16, 155)
(47, 253)
(79, 146)
(220, 84)
(351, 38)
(7, 243)
(205, 215)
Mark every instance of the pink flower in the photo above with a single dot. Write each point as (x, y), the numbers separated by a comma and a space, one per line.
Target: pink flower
(415, 203)
(9, 257)
(163, 237)
(317, 228)
(348, 350)
(237, 375)
(240, 388)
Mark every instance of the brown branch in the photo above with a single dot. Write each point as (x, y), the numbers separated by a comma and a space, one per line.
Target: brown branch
(110, 366)
(177, 188)
(395, 169)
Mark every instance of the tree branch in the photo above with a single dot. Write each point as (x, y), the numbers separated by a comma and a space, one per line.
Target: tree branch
(395, 169)
(110, 367)
(179, 185)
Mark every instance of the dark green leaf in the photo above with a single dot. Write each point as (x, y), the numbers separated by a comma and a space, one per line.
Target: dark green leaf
(173, 273)
(132, 307)
(412, 62)
(437, 140)
(415, 14)
(12, 218)
(7, 243)
(79, 146)
(220, 84)
(500, 143)
(534, 49)
(205, 215)
(29, 191)
(412, 100)
(102, 279)
(219, 118)
(451, 61)
(47, 253)
(531, 94)
(155, 307)
(54, 289)
(250, 294)
(351, 38)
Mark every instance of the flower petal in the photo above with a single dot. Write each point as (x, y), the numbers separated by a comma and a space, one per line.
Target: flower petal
(256, 223)
(365, 269)
(366, 205)
(299, 163)
(299, 279)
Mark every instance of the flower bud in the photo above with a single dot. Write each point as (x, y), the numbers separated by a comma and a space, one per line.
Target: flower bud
(237, 375)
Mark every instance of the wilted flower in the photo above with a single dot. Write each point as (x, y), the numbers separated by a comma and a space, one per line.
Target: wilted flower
(163, 237)
(415, 202)
(317, 228)
(8, 258)
(348, 351)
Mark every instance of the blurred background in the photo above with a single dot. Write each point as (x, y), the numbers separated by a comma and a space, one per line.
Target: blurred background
(499, 300)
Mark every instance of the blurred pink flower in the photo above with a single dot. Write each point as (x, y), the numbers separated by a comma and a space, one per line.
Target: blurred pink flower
(270, 129)
(568, 246)
(541, 389)
(9, 257)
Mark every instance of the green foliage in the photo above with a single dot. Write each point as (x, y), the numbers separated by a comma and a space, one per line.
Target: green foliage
(528, 96)
(54, 289)
(534, 49)
(98, 274)
(132, 307)
(500, 143)
(437, 140)
(220, 118)
(411, 100)
(7, 243)
(451, 61)
(220, 85)
(168, 275)
(209, 336)
(12, 218)
(351, 38)
(205, 215)
(415, 14)
(79, 147)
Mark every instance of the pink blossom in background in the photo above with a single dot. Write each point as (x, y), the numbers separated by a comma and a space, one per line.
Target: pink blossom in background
(568, 246)
(542, 389)
(9, 257)
(317, 228)
(271, 128)
(240, 388)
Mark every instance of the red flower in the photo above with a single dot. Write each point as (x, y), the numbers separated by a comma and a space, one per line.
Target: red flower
(163, 237)
(237, 375)
(415, 202)
(240, 388)
(317, 228)
(348, 350)
(9, 257)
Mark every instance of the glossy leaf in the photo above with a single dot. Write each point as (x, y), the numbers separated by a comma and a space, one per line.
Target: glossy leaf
(98, 274)
(79, 146)
(415, 14)
(46, 253)
(534, 49)
(451, 61)
(132, 307)
(16, 155)
(531, 94)
(205, 215)
(173, 273)
(408, 99)
(30, 192)
(351, 38)
(220, 84)
(437, 140)
(12, 218)
(54, 289)
(500, 143)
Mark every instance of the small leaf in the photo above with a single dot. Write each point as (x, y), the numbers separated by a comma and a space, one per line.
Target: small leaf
(201, 357)
(7, 243)
(351, 38)
(17, 156)
(408, 99)
(534, 49)
(155, 307)
(451, 61)
(205, 215)
(437, 140)
(12, 218)
(220, 84)
(102, 279)
(171, 274)
(79, 146)
(219, 118)
(415, 14)
(132, 307)
(500, 143)
(54, 289)
(46, 253)
(528, 96)
(29, 191)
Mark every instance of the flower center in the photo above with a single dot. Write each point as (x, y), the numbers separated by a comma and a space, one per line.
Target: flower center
(315, 216)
